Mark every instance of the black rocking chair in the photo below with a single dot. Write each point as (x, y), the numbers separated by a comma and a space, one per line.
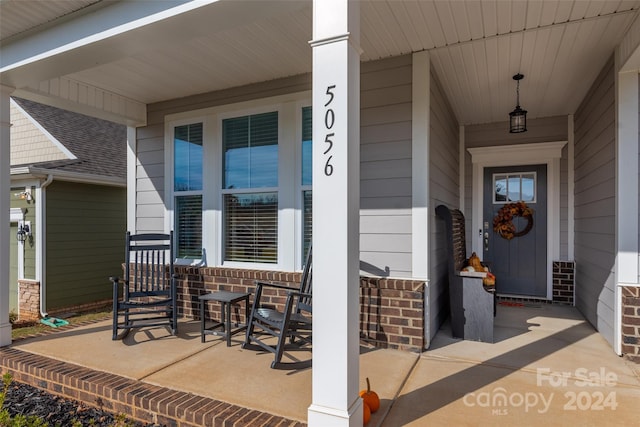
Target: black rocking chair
(293, 323)
(148, 294)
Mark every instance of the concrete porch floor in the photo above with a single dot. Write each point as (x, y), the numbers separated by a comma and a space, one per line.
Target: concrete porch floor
(548, 366)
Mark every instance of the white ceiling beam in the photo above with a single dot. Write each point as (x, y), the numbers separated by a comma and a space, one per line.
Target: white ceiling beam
(123, 30)
(73, 45)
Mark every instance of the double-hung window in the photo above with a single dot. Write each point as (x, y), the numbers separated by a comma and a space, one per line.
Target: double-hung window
(307, 169)
(187, 188)
(240, 183)
(250, 188)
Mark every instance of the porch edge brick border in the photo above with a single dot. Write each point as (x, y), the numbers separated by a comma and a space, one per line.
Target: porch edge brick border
(137, 400)
(391, 310)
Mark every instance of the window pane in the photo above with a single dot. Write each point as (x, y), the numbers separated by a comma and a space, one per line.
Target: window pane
(188, 216)
(187, 146)
(500, 188)
(307, 222)
(251, 227)
(513, 188)
(251, 151)
(307, 165)
(528, 187)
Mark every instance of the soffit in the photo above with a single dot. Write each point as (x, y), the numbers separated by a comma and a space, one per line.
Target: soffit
(18, 17)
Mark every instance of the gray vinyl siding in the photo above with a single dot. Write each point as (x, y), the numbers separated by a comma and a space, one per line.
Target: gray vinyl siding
(85, 239)
(385, 167)
(595, 202)
(150, 179)
(546, 129)
(444, 188)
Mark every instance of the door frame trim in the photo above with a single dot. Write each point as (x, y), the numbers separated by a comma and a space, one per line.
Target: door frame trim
(548, 153)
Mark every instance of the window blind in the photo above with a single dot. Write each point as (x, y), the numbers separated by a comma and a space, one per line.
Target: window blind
(307, 165)
(251, 227)
(188, 227)
(307, 222)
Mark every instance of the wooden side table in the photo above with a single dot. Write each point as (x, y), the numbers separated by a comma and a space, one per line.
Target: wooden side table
(227, 300)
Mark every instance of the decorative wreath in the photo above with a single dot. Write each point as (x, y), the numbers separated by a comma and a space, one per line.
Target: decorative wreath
(503, 221)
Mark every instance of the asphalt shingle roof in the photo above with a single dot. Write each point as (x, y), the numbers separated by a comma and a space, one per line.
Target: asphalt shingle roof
(99, 145)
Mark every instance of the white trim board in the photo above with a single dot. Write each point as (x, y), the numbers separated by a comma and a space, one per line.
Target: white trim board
(548, 153)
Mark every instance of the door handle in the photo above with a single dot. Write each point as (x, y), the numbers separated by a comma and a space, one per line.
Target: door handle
(486, 240)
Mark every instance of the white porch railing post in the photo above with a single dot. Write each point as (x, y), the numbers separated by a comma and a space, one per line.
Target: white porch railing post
(336, 213)
(5, 187)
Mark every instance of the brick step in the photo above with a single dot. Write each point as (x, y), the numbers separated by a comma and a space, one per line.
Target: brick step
(139, 401)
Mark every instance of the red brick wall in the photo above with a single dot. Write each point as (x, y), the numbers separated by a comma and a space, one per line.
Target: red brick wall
(631, 323)
(392, 313)
(563, 282)
(391, 310)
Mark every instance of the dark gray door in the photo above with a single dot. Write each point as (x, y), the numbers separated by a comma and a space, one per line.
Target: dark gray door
(519, 263)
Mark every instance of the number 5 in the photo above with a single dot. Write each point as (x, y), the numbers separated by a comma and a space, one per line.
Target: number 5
(330, 93)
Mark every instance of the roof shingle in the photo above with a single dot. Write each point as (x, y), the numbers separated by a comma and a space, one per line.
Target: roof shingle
(99, 145)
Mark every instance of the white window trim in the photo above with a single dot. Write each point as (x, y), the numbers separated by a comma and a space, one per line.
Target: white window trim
(299, 200)
(169, 216)
(16, 215)
(289, 193)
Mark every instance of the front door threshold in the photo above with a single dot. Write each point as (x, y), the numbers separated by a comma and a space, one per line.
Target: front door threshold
(522, 299)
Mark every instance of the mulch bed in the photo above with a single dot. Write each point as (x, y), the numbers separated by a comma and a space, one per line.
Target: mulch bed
(57, 411)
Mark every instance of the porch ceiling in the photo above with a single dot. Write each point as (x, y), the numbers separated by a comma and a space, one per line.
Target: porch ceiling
(476, 47)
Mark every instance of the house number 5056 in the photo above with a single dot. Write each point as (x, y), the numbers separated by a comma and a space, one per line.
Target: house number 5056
(329, 121)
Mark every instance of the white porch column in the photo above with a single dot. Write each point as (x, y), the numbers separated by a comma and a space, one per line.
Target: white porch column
(5, 187)
(336, 205)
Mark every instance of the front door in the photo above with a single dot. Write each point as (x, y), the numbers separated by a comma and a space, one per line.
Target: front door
(517, 251)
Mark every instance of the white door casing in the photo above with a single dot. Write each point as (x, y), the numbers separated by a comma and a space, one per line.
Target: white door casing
(548, 153)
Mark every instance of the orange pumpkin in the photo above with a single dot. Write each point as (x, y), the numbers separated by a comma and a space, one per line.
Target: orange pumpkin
(370, 398)
(366, 414)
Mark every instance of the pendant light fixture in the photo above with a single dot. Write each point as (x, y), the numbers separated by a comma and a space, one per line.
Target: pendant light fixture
(518, 117)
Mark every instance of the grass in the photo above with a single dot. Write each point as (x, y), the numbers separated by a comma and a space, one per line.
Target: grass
(23, 331)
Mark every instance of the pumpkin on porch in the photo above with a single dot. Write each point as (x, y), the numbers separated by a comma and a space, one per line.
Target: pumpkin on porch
(366, 413)
(370, 398)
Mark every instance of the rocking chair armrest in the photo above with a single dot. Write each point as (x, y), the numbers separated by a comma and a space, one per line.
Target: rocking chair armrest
(117, 280)
(276, 285)
(299, 294)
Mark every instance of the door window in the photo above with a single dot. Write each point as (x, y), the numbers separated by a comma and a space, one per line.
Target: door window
(514, 187)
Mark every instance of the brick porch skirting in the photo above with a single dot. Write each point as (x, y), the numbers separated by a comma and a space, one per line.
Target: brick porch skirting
(631, 323)
(391, 310)
(137, 400)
